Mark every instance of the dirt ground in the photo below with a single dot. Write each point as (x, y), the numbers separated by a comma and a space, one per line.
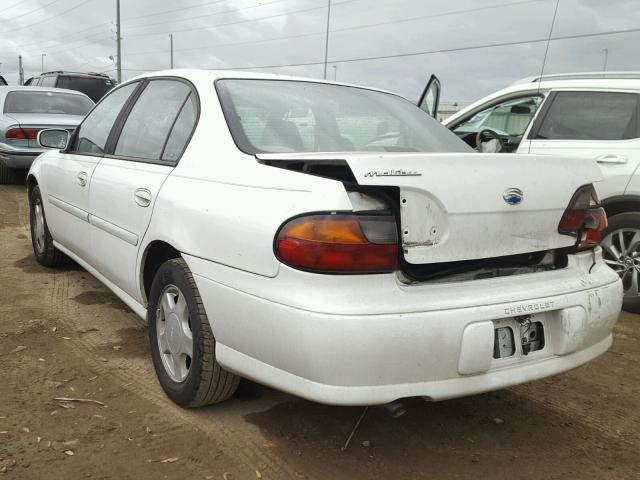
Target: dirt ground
(62, 334)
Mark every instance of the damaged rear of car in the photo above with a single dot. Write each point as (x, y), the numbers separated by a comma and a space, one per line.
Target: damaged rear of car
(401, 263)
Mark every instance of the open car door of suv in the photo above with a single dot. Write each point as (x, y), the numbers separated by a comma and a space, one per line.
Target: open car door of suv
(430, 98)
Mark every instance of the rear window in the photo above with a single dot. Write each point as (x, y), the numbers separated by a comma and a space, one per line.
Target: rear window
(46, 103)
(280, 116)
(93, 87)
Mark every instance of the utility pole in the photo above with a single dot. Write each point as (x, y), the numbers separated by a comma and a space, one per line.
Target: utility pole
(326, 40)
(20, 71)
(119, 40)
(606, 59)
(171, 45)
(42, 62)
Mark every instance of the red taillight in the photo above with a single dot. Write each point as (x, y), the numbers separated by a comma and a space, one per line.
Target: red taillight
(584, 218)
(339, 243)
(22, 133)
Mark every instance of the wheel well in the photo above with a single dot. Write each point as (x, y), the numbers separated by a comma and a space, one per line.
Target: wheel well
(621, 204)
(31, 184)
(156, 254)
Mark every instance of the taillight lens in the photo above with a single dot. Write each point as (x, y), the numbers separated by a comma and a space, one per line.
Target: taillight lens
(22, 133)
(339, 243)
(584, 218)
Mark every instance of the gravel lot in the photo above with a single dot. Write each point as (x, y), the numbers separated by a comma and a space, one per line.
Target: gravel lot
(62, 334)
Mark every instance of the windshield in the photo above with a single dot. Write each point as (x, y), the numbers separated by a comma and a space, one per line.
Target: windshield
(93, 87)
(46, 102)
(283, 116)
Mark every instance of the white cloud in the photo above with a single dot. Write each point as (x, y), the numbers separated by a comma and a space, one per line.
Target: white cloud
(83, 38)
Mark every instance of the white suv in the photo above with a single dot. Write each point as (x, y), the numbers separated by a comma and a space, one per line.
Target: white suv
(587, 115)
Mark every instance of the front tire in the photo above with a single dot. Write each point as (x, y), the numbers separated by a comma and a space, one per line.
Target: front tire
(181, 340)
(621, 251)
(46, 254)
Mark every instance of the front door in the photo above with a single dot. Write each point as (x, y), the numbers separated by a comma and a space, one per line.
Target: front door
(128, 180)
(68, 175)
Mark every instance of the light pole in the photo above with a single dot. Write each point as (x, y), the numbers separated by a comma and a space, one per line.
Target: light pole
(326, 40)
(118, 43)
(171, 48)
(335, 72)
(42, 62)
(606, 59)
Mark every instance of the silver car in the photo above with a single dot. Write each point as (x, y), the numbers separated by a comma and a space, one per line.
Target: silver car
(24, 111)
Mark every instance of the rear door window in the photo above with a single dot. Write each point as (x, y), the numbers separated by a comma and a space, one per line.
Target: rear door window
(150, 121)
(590, 116)
(181, 131)
(94, 87)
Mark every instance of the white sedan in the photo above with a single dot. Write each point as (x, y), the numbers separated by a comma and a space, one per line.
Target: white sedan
(328, 240)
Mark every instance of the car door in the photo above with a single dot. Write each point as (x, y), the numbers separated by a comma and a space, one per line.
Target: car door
(128, 179)
(595, 125)
(430, 98)
(67, 174)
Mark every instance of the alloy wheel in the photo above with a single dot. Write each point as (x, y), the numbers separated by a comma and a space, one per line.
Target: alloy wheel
(174, 334)
(38, 227)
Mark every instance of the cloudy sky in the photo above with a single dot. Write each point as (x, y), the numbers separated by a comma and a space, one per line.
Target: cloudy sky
(475, 47)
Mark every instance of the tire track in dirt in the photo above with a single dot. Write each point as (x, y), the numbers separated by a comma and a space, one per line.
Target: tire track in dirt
(90, 337)
(138, 377)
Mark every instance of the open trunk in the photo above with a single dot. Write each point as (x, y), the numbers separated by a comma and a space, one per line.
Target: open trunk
(458, 209)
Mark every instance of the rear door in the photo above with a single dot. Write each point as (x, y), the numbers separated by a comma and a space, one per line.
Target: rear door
(594, 125)
(67, 174)
(126, 183)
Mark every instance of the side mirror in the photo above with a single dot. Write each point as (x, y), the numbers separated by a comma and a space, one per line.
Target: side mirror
(520, 109)
(53, 138)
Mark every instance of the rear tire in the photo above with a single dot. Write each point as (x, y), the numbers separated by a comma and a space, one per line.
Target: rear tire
(46, 254)
(6, 175)
(621, 250)
(181, 340)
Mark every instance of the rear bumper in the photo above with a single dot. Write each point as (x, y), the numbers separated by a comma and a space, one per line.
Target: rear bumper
(373, 340)
(18, 158)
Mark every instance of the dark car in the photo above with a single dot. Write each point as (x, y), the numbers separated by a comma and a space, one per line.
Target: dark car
(94, 85)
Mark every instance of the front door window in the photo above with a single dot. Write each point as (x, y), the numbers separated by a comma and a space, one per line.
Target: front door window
(506, 121)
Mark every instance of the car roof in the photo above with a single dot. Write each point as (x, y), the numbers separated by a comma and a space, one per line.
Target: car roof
(581, 81)
(39, 89)
(212, 75)
(4, 89)
(68, 73)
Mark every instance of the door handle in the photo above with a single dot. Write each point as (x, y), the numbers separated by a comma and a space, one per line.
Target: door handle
(142, 196)
(612, 159)
(81, 178)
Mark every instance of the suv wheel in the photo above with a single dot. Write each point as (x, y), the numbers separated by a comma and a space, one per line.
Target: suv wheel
(621, 251)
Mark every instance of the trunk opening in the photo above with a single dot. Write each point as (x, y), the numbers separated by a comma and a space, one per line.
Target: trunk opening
(448, 232)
